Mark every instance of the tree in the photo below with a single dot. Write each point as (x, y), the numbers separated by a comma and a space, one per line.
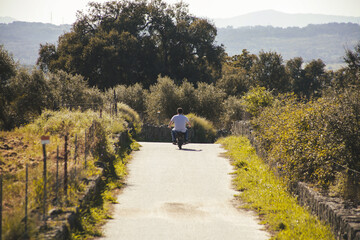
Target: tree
(314, 79)
(7, 65)
(127, 42)
(352, 59)
(296, 73)
(7, 71)
(236, 73)
(47, 57)
(269, 72)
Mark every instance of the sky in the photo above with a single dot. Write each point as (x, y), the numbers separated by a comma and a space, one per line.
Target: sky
(64, 11)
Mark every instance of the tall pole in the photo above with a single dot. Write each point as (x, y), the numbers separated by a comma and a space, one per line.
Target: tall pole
(1, 190)
(65, 165)
(85, 151)
(44, 206)
(57, 175)
(26, 197)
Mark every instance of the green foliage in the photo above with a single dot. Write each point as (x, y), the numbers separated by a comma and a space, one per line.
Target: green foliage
(29, 93)
(162, 100)
(24, 102)
(203, 130)
(132, 118)
(66, 90)
(256, 100)
(209, 101)
(234, 110)
(269, 72)
(7, 66)
(133, 96)
(127, 42)
(310, 141)
(236, 73)
(165, 97)
(263, 192)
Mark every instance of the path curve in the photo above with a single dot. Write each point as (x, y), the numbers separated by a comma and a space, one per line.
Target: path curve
(176, 194)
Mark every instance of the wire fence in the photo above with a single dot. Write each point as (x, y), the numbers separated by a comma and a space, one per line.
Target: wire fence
(25, 199)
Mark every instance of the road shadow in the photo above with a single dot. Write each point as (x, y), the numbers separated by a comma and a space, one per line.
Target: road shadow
(190, 150)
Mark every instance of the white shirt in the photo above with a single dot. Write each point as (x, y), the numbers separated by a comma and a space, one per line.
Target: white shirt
(180, 122)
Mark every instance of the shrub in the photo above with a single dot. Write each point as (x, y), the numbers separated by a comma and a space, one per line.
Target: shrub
(132, 118)
(209, 101)
(314, 141)
(133, 96)
(233, 111)
(162, 100)
(203, 130)
(257, 99)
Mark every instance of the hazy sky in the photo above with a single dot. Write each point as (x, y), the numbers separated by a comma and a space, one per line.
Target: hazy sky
(64, 11)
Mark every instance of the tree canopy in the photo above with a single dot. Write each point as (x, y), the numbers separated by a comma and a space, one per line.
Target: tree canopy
(125, 42)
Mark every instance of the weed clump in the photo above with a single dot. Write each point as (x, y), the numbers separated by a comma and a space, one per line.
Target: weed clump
(203, 130)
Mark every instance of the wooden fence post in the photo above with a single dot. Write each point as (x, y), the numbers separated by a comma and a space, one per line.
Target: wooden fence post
(1, 193)
(85, 150)
(57, 176)
(65, 165)
(26, 197)
(44, 205)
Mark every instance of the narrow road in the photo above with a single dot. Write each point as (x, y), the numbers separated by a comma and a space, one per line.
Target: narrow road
(180, 194)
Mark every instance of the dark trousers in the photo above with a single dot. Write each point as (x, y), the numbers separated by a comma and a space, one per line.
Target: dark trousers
(173, 135)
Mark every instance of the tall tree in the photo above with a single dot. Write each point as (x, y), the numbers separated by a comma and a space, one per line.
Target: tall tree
(352, 59)
(314, 79)
(296, 73)
(236, 73)
(269, 72)
(124, 42)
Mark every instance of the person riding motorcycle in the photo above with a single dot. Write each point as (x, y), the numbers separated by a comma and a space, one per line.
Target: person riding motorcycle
(180, 122)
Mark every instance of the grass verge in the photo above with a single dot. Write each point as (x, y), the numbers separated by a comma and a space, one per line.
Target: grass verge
(265, 193)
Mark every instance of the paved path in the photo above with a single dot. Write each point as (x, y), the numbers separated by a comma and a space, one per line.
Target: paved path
(180, 194)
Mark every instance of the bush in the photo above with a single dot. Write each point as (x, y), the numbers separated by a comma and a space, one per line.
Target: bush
(203, 130)
(311, 141)
(165, 97)
(162, 100)
(132, 118)
(133, 96)
(29, 93)
(72, 91)
(256, 100)
(233, 111)
(209, 101)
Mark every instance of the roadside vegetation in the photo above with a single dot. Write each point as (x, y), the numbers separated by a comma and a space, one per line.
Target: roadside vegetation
(262, 191)
(106, 156)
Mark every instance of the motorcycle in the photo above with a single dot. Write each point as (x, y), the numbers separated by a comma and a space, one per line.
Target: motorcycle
(180, 139)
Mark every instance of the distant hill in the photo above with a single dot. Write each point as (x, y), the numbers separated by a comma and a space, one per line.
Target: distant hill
(7, 20)
(280, 19)
(23, 39)
(326, 41)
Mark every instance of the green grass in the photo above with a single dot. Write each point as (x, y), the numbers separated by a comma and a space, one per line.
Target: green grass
(265, 193)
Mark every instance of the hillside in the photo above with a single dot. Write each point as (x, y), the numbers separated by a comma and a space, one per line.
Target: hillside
(23, 39)
(326, 41)
(280, 19)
